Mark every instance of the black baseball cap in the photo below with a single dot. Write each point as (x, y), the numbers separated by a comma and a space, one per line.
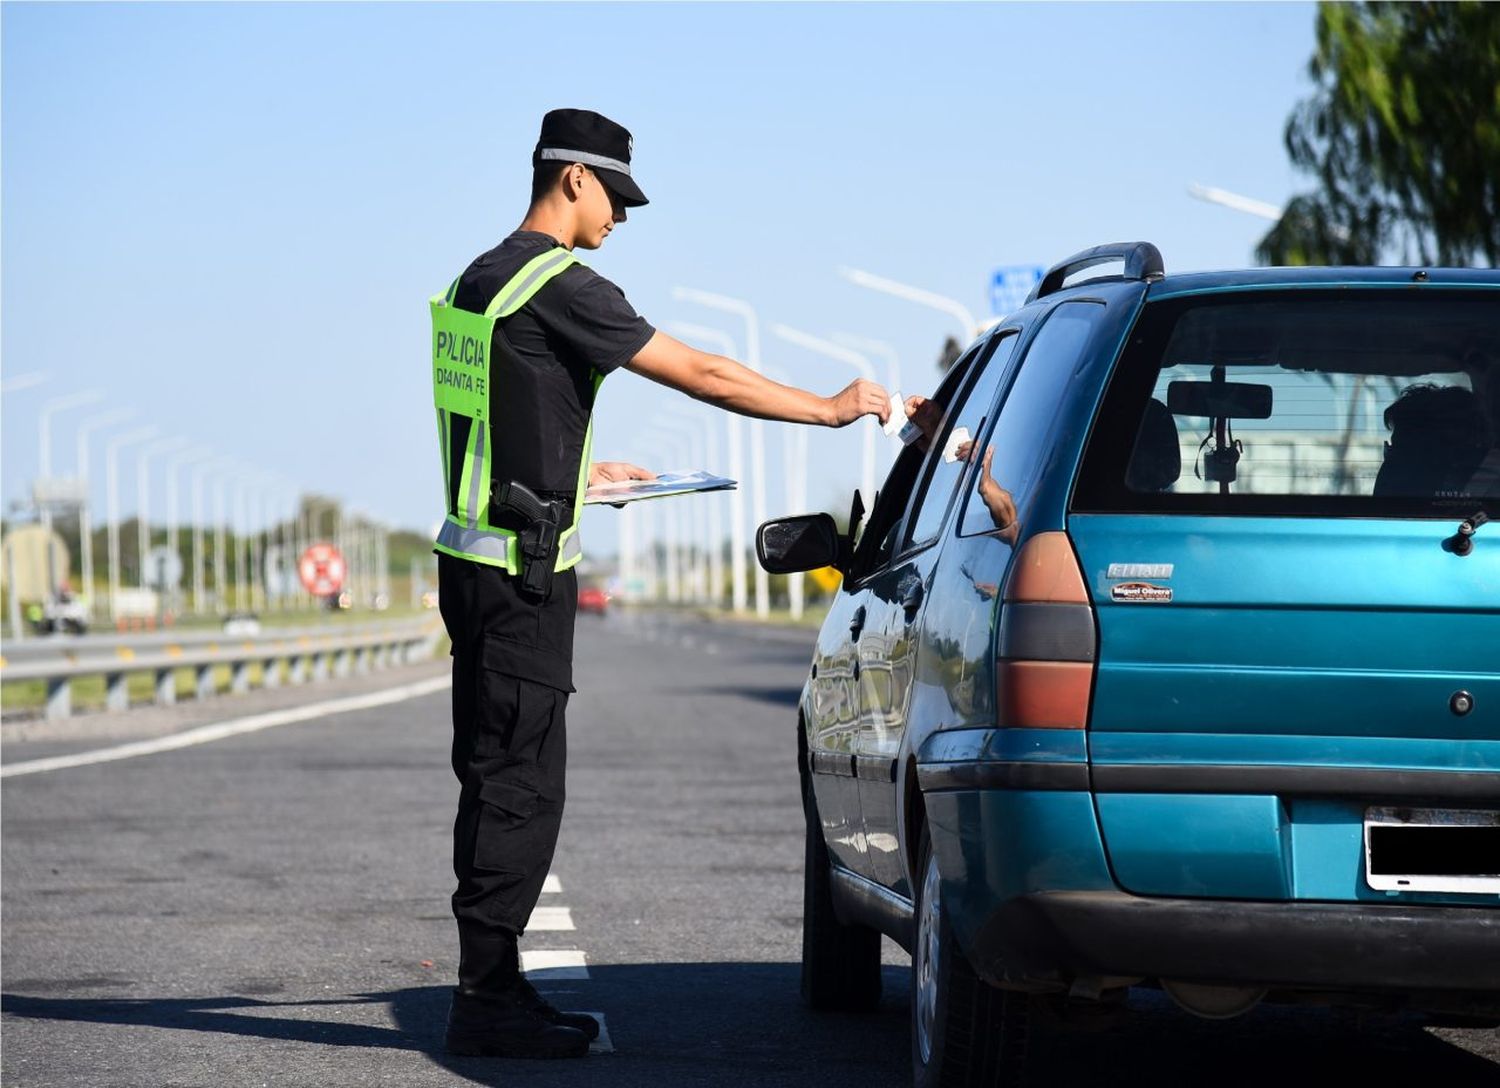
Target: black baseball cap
(592, 139)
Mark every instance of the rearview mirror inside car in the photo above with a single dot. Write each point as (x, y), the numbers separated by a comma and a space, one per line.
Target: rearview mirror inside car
(800, 543)
(1219, 400)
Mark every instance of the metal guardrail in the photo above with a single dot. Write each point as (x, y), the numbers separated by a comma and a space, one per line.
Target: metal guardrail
(306, 658)
(56, 648)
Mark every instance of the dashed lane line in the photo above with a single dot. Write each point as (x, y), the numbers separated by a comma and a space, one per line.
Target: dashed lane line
(601, 1045)
(551, 886)
(553, 964)
(205, 734)
(550, 920)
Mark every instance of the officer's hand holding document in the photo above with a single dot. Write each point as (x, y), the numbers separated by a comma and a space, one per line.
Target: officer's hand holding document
(620, 492)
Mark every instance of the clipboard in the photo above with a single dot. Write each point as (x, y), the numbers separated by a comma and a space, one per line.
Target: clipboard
(666, 485)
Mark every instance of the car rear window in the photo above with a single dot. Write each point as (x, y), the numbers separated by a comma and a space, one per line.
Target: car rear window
(1368, 403)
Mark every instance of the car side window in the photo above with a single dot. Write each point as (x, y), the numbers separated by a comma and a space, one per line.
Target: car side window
(948, 454)
(877, 541)
(1017, 444)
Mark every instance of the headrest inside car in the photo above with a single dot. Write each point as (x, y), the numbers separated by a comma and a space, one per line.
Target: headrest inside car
(1156, 461)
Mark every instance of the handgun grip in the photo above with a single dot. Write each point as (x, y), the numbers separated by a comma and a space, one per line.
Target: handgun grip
(520, 498)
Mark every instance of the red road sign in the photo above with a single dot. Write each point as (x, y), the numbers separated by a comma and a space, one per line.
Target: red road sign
(322, 570)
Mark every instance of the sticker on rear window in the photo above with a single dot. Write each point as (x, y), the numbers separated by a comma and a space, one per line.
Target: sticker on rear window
(1140, 592)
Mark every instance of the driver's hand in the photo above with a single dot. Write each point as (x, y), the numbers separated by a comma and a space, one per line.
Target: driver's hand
(926, 414)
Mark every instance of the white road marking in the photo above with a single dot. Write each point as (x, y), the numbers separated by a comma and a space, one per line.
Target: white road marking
(552, 964)
(601, 1045)
(205, 734)
(550, 920)
(551, 886)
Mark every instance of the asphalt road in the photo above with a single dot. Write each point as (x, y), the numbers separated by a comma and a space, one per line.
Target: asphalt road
(271, 909)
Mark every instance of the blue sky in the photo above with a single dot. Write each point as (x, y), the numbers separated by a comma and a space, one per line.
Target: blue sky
(230, 217)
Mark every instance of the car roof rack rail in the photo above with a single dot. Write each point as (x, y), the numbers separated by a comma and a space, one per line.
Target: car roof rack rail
(1142, 262)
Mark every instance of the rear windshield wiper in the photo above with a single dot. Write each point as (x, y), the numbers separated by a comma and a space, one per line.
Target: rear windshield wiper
(1462, 542)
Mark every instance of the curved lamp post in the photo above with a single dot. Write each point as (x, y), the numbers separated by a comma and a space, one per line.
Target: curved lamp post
(724, 344)
(85, 511)
(745, 312)
(112, 499)
(952, 307)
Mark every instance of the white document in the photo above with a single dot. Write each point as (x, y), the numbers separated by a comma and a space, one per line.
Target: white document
(898, 424)
(897, 418)
(959, 436)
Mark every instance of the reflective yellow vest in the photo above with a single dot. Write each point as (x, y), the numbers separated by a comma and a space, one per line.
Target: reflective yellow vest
(462, 384)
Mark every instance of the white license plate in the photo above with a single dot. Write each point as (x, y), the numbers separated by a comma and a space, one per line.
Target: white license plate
(1432, 850)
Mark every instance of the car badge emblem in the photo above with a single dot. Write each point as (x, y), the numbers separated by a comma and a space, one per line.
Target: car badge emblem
(1140, 593)
(1159, 571)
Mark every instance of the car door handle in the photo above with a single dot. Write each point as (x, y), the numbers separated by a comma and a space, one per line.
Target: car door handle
(911, 600)
(857, 622)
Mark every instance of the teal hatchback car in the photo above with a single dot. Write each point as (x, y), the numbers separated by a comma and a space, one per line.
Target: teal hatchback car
(1171, 657)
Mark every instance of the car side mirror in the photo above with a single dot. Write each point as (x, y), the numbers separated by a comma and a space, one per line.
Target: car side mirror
(800, 543)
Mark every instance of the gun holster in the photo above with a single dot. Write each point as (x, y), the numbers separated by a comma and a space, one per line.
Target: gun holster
(537, 539)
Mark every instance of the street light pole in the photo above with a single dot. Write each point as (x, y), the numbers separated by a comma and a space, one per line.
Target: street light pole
(244, 580)
(85, 509)
(1223, 197)
(794, 473)
(830, 350)
(694, 436)
(196, 486)
(196, 453)
(725, 346)
(44, 464)
(746, 312)
(142, 502)
(23, 381)
(892, 364)
(672, 447)
(44, 423)
(952, 307)
(286, 493)
(221, 559)
(714, 530)
(112, 499)
(874, 347)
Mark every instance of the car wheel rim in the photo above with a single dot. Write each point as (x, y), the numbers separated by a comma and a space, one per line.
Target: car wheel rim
(927, 961)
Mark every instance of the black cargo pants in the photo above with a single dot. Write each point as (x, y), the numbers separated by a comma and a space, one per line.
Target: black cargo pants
(512, 673)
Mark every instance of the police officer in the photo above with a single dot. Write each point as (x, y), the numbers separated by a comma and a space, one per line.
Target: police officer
(521, 343)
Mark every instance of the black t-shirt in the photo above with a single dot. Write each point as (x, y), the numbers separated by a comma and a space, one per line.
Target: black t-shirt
(544, 359)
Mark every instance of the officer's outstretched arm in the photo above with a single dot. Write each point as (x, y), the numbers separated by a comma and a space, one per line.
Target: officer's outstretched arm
(721, 381)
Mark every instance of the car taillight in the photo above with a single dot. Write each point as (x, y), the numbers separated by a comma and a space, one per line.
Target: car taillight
(1044, 666)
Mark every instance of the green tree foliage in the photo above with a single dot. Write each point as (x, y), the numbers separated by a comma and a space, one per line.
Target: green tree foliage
(1403, 134)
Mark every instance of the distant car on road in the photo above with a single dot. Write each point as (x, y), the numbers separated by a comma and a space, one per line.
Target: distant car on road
(62, 614)
(241, 624)
(1169, 657)
(593, 599)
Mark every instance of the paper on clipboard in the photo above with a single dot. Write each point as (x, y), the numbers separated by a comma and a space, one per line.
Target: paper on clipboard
(666, 484)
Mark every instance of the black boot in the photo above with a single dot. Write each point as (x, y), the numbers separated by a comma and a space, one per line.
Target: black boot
(578, 1021)
(495, 1012)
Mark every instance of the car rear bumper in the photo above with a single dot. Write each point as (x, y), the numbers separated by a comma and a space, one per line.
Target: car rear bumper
(1058, 936)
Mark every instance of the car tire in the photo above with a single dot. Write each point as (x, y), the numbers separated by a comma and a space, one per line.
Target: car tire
(965, 1033)
(840, 963)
